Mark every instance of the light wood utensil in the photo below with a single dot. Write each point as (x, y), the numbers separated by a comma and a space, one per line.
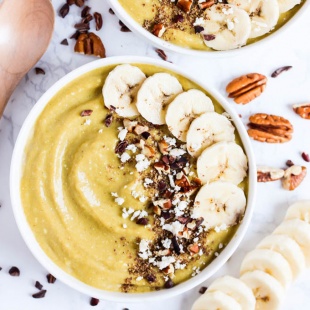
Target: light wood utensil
(26, 28)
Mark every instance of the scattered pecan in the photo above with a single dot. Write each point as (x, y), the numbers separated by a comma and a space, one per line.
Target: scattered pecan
(206, 4)
(148, 151)
(185, 5)
(169, 269)
(280, 70)
(85, 11)
(163, 147)
(246, 87)
(79, 3)
(82, 27)
(87, 19)
(267, 174)
(293, 176)
(270, 128)
(90, 44)
(158, 30)
(98, 20)
(303, 110)
(305, 157)
(193, 248)
(38, 285)
(129, 124)
(139, 129)
(162, 168)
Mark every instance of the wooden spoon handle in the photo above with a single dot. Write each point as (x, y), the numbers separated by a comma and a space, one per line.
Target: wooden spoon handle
(26, 29)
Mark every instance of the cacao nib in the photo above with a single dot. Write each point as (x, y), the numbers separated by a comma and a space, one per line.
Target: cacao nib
(64, 42)
(150, 278)
(178, 18)
(111, 11)
(98, 20)
(305, 157)
(145, 135)
(169, 284)
(40, 294)
(50, 278)
(142, 221)
(203, 289)
(108, 120)
(161, 54)
(162, 186)
(85, 11)
(14, 272)
(64, 10)
(86, 112)
(280, 70)
(121, 147)
(198, 29)
(289, 163)
(209, 37)
(176, 246)
(39, 70)
(165, 215)
(38, 285)
(94, 301)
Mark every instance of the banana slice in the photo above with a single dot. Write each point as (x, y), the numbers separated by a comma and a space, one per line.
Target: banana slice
(300, 232)
(206, 130)
(264, 14)
(225, 27)
(288, 248)
(299, 210)
(220, 204)
(222, 161)
(120, 89)
(184, 108)
(267, 290)
(216, 301)
(286, 5)
(156, 92)
(270, 262)
(236, 289)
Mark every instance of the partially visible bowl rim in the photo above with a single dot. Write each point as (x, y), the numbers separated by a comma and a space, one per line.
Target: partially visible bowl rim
(160, 43)
(24, 227)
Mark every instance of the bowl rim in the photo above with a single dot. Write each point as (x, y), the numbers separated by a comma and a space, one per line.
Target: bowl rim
(135, 27)
(16, 170)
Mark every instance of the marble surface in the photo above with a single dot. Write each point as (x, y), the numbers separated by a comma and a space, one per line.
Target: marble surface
(291, 48)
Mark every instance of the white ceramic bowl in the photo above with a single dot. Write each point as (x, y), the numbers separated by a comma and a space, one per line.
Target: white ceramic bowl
(17, 170)
(160, 43)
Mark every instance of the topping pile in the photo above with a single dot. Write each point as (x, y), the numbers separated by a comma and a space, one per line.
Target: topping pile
(189, 182)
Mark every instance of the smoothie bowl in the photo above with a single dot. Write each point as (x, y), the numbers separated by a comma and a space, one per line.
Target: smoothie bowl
(130, 180)
(199, 27)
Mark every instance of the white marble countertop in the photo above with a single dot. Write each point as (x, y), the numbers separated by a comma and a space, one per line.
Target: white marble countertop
(292, 48)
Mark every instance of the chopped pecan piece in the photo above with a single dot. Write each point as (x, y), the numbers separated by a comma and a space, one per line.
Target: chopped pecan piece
(129, 125)
(270, 128)
(246, 87)
(139, 129)
(303, 110)
(193, 248)
(206, 4)
(185, 5)
(158, 30)
(280, 70)
(267, 174)
(162, 168)
(163, 203)
(293, 176)
(89, 44)
(163, 147)
(148, 151)
(169, 269)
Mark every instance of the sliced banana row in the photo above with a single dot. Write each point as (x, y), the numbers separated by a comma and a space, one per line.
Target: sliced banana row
(190, 117)
(270, 268)
(229, 26)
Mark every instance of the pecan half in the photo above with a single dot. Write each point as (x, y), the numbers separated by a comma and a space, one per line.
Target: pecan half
(158, 30)
(185, 5)
(270, 128)
(303, 110)
(267, 174)
(293, 176)
(90, 44)
(246, 87)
